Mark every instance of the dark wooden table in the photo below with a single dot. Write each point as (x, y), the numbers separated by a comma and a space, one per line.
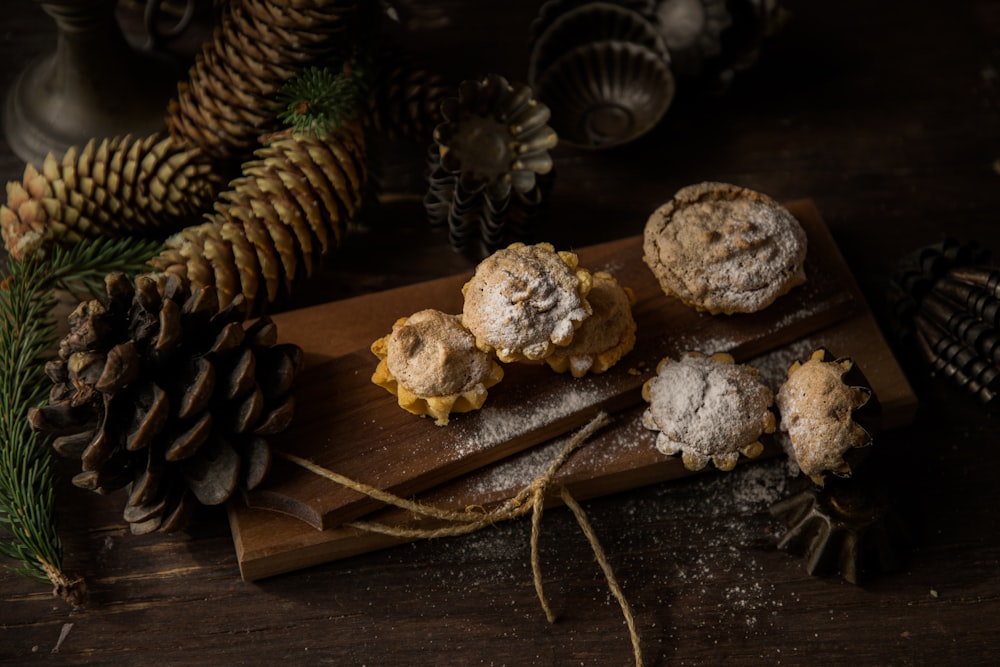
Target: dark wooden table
(886, 114)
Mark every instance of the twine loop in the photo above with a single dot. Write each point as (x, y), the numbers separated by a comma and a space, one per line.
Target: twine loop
(463, 522)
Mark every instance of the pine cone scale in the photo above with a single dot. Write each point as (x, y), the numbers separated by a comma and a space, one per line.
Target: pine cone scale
(247, 415)
(198, 383)
(121, 368)
(278, 419)
(213, 475)
(185, 444)
(152, 411)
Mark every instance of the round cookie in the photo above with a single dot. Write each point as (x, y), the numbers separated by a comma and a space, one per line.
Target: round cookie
(708, 409)
(724, 249)
(525, 300)
(604, 337)
(431, 363)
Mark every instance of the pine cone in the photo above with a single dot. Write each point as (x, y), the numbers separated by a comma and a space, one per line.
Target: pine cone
(290, 207)
(116, 187)
(162, 392)
(406, 98)
(226, 103)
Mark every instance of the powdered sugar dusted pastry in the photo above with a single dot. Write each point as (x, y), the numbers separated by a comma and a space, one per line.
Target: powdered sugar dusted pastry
(525, 300)
(817, 410)
(605, 336)
(724, 249)
(708, 409)
(431, 363)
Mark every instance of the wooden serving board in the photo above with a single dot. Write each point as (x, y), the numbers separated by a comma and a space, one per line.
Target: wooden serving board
(345, 423)
(621, 456)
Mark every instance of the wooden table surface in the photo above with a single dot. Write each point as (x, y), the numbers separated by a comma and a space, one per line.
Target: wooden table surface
(887, 115)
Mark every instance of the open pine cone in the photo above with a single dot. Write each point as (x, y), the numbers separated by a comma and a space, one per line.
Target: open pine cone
(162, 392)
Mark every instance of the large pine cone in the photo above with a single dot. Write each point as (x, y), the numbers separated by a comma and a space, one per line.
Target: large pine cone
(162, 392)
(227, 100)
(113, 187)
(291, 206)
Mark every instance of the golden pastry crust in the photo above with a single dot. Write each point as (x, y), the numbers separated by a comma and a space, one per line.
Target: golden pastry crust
(525, 300)
(817, 411)
(708, 409)
(604, 337)
(432, 365)
(724, 249)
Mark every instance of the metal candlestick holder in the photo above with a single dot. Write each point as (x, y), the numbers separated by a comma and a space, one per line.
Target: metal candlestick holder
(93, 85)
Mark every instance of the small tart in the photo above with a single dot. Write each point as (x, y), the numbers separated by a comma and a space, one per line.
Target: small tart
(817, 411)
(721, 248)
(708, 409)
(525, 300)
(432, 365)
(604, 337)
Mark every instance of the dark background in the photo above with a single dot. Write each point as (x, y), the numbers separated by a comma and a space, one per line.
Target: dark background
(887, 115)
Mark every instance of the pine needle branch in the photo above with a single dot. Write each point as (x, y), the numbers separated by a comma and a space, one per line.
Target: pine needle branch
(320, 99)
(28, 531)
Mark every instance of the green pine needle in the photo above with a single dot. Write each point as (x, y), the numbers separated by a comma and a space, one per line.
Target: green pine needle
(320, 99)
(28, 532)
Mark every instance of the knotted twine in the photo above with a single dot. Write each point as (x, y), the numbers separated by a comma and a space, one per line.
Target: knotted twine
(462, 522)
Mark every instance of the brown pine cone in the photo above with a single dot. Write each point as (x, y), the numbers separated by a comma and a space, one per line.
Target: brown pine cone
(290, 208)
(162, 392)
(227, 101)
(113, 187)
(405, 101)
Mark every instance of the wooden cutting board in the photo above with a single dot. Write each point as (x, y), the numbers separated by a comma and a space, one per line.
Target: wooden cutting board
(356, 434)
(345, 423)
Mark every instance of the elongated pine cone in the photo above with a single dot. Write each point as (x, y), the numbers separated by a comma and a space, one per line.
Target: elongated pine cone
(112, 187)
(165, 394)
(405, 101)
(290, 208)
(227, 101)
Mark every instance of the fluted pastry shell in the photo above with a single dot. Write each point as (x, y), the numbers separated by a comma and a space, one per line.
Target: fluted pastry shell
(431, 364)
(708, 409)
(604, 337)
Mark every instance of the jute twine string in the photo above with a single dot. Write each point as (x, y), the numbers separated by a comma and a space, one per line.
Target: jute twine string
(530, 499)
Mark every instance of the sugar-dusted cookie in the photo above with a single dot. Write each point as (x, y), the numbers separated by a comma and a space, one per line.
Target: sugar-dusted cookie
(724, 249)
(604, 337)
(708, 409)
(432, 365)
(525, 300)
(818, 403)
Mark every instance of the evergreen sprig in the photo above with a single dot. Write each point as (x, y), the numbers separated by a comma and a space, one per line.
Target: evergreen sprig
(320, 99)
(28, 531)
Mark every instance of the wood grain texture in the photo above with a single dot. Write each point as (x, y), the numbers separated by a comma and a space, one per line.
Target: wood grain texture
(887, 114)
(832, 313)
(345, 423)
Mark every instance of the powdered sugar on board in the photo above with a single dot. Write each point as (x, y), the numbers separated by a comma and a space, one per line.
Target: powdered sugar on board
(345, 424)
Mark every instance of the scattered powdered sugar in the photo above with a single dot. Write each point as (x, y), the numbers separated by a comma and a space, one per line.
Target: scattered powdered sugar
(514, 473)
(708, 534)
(496, 425)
